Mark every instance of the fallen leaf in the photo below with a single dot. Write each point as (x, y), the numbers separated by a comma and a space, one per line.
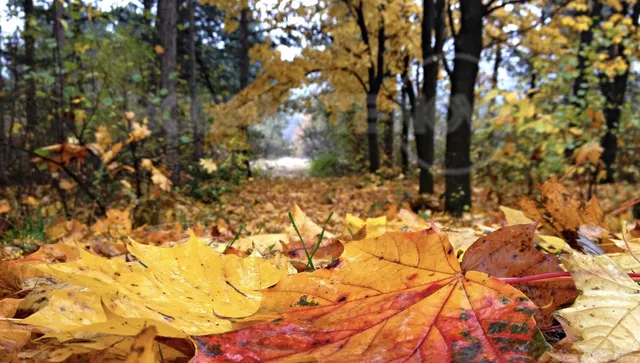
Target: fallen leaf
(509, 252)
(90, 347)
(189, 286)
(10, 279)
(605, 315)
(565, 214)
(308, 229)
(397, 297)
(514, 216)
(5, 207)
(142, 349)
(13, 336)
(8, 307)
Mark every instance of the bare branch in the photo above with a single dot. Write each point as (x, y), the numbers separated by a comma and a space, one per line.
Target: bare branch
(489, 10)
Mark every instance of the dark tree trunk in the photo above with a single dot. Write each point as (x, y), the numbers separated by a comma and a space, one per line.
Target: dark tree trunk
(580, 84)
(58, 32)
(243, 57)
(468, 45)
(193, 89)
(150, 36)
(30, 62)
(496, 66)
(614, 93)
(375, 77)
(404, 136)
(388, 139)
(425, 117)
(372, 131)
(167, 32)
(3, 115)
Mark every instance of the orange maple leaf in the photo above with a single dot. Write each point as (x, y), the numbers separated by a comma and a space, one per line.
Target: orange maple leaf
(401, 296)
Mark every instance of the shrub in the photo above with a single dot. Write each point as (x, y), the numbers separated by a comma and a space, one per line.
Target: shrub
(325, 165)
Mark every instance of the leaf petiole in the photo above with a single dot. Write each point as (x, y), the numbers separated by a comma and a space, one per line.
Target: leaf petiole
(554, 276)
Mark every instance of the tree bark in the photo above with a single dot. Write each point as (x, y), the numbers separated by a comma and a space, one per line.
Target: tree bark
(580, 84)
(468, 45)
(58, 32)
(614, 93)
(388, 139)
(3, 147)
(404, 136)
(167, 32)
(375, 77)
(372, 131)
(150, 36)
(193, 89)
(244, 63)
(425, 117)
(30, 62)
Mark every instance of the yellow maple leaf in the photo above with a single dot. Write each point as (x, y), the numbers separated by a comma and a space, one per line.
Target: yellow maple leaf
(138, 132)
(209, 165)
(188, 289)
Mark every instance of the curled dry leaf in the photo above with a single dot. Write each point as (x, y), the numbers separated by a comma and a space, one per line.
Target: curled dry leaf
(308, 229)
(5, 207)
(401, 296)
(90, 347)
(567, 216)
(13, 337)
(142, 349)
(509, 252)
(514, 216)
(605, 315)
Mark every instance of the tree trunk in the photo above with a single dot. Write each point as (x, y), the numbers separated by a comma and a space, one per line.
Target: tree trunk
(614, 93)
(580, 84)
(404, 137)
(30, 61)
(167, 32)
(468, 45)
(243, 57)
(58, 32)
(388, 139)
(193, 89)
(372, 131)
(3, 141)
(150, 36)
(425, 117)
(245, 19)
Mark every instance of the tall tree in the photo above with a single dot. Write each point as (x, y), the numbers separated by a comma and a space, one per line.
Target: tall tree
(375, 78)
(31, 106)
(167, 33)
(614, 88)
(193, 79)
(404, 135)
(425, 118)
(387, 139)
(150, 36)
(3, 118)
(244, 62)
(468, 46)
(58, 33)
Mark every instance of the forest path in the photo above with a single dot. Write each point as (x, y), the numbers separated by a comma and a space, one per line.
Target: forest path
(284, 167)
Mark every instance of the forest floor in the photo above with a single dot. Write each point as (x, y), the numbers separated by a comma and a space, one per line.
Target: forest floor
(252, 227)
